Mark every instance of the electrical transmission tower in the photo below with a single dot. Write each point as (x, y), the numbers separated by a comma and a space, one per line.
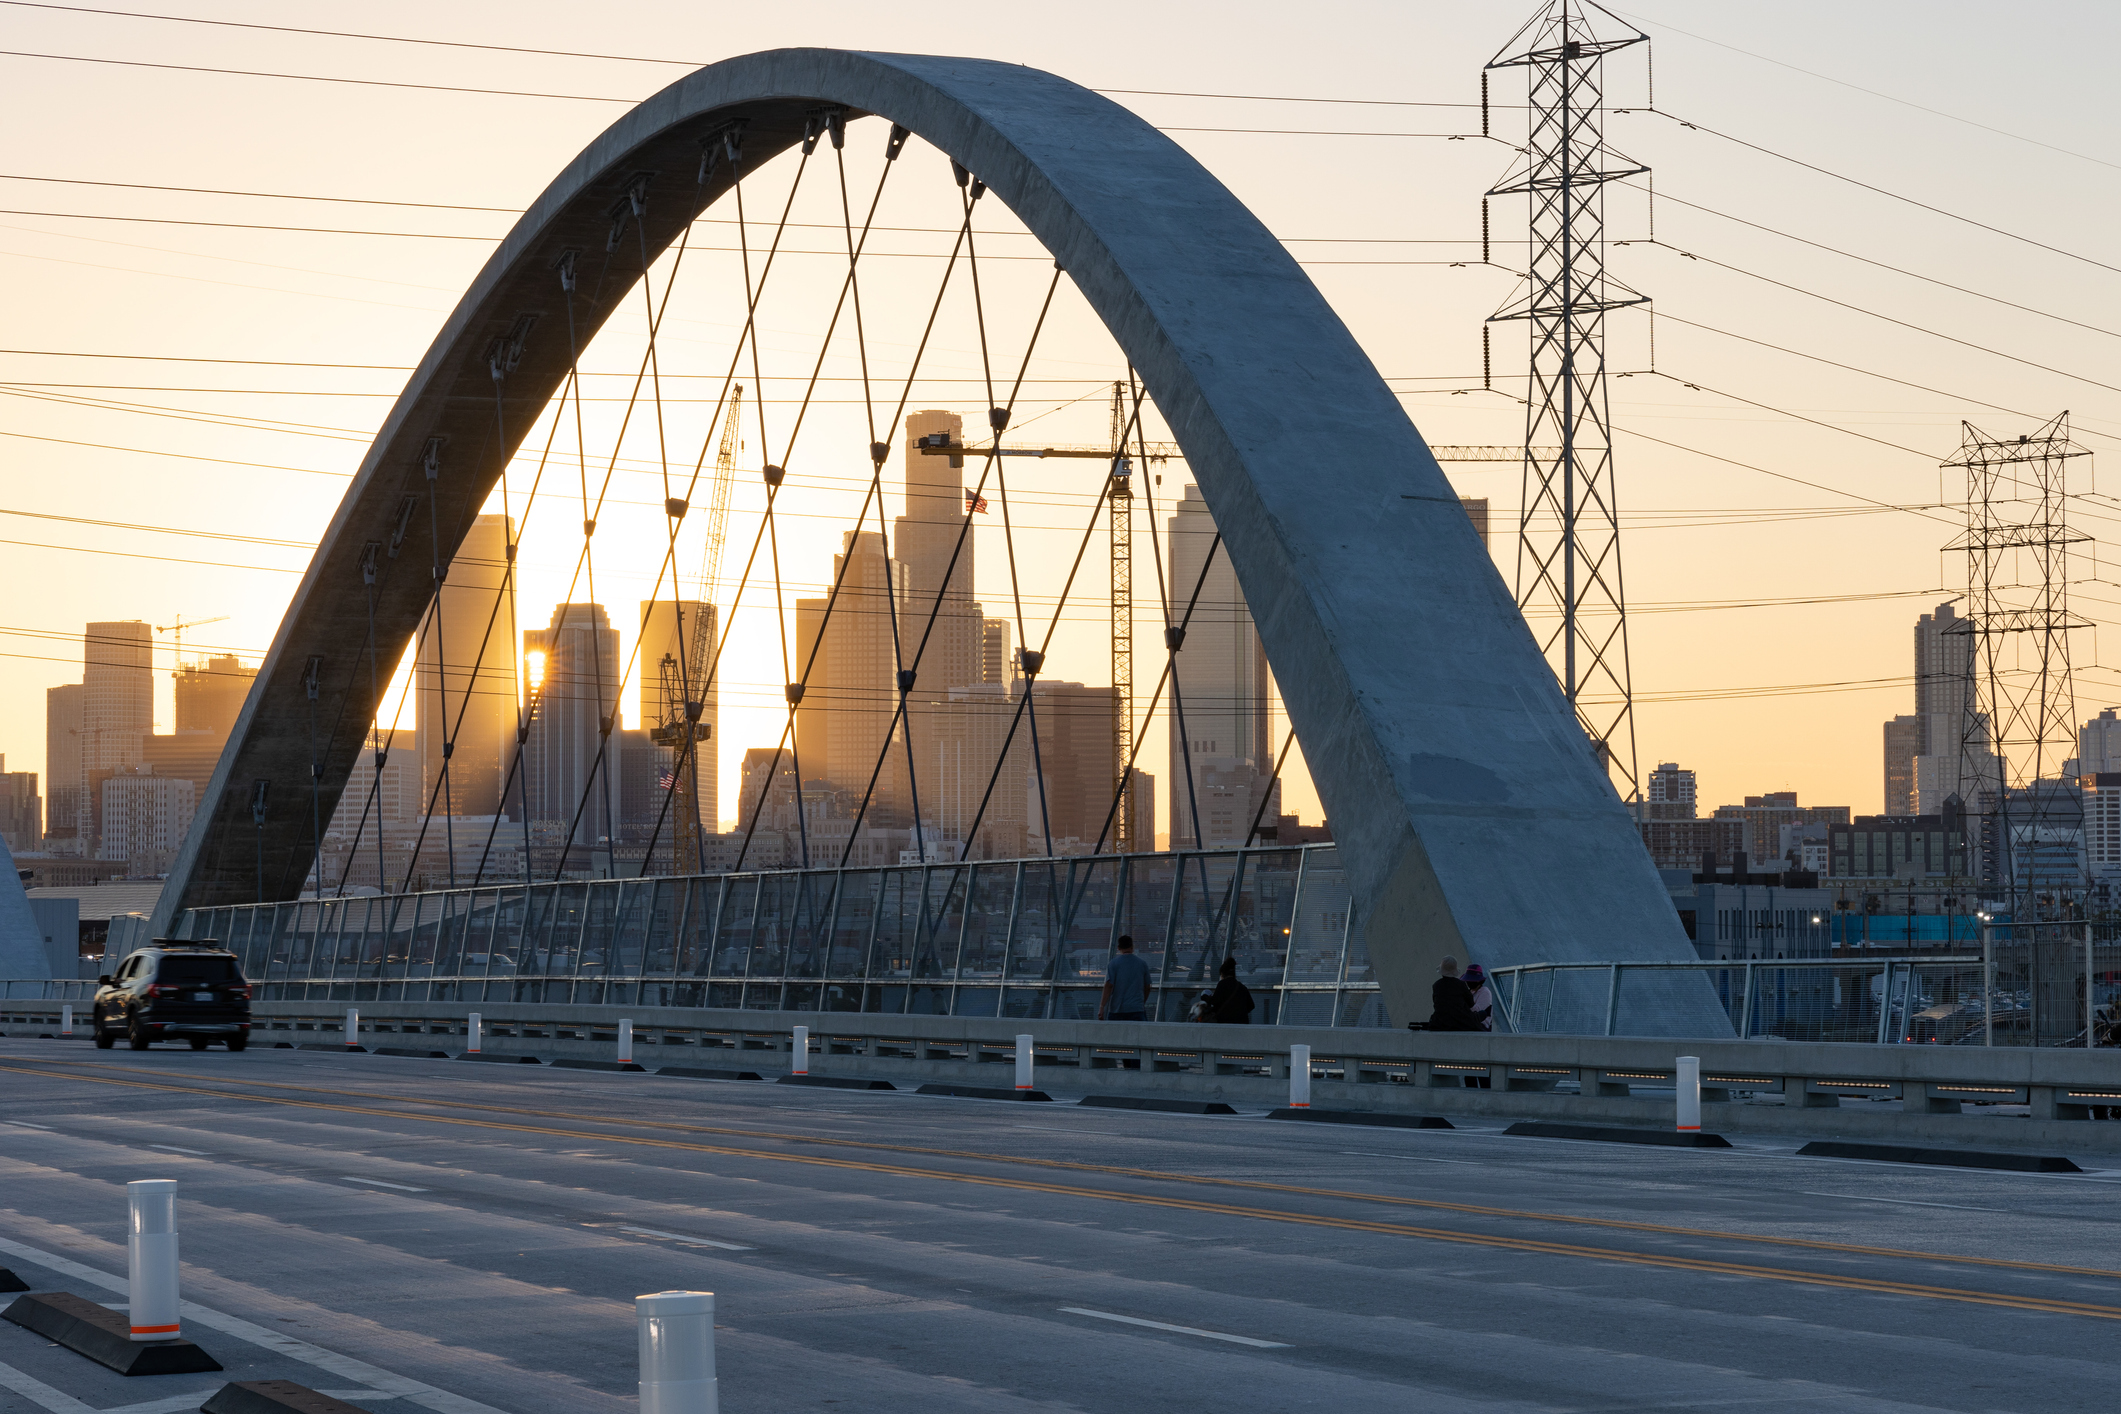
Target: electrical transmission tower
(1568, 543)
(2020, 722)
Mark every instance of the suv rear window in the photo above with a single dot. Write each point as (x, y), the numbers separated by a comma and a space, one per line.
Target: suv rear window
(196, 969)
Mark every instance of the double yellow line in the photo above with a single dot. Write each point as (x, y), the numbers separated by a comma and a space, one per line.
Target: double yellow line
(1531, 1246)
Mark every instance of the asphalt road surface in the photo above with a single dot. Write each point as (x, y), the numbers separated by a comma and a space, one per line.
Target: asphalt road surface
(413, 1234)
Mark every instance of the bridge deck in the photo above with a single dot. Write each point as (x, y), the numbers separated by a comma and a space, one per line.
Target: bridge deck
(477, 1238)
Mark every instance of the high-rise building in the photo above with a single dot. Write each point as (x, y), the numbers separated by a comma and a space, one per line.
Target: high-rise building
(974, 780)
(936, 544)
(2102, 823)
(1956, 759)
(844, 721)
(1670, 793)
(2099, 745)
(1075, 758)
(1904, 737)
(774, 809)
(464, 681)
(21, 811)
(62, 768)
(669, 631)
(210, 694)
(392, 802)
(144, 820)
(570, 775)
(117, 705)
(996, 664)
(1477, 512)
(1220, 687)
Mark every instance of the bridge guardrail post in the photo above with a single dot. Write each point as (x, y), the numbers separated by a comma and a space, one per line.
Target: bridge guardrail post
(625, 1041)
(677, 1352)
(471, 1035)
(66, 1013)
(799, 1064)
(1025, 1059)
(1687, 1082)
(1299, 1077)
(151, 1259)
(353, 1026)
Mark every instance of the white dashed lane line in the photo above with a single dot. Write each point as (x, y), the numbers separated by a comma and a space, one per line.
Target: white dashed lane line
(401, 1187)
(688, 1239)
(1177, 1330)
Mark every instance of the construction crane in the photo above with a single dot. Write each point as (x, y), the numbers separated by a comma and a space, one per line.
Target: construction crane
(684, 684)
(178, 628)
(1121, 497)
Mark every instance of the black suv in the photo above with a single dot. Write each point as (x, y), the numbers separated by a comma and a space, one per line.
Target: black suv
(170, 989)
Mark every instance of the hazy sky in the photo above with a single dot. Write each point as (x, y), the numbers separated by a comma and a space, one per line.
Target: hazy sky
(1777, 461)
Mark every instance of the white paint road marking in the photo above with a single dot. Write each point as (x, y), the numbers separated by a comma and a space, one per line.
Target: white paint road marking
(168, 1403)
(684, 1237)
(345, 1366)
(39, 1393)
(1177, 1330)
(195, 1153)
(1417, 1158)
(27, 1125)
(401, 1187)
(1910, 1202)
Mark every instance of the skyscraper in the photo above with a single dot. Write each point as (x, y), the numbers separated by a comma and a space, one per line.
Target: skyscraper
(1671, 793)
(62, 767)
(569, 777)
(1220, 683)
(21, 810)
(975, 780)
(1903, 743)
(210, 694)
(1956, 758)
(2099, 745)
(464, 683)
(845, 718)
(938, 549)
(117, 706)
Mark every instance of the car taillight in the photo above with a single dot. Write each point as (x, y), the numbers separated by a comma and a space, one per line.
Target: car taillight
(161, 989)
(242, 992)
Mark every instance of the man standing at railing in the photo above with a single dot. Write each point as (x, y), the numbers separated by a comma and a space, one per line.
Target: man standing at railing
(1126, 995)
(1451, 1000)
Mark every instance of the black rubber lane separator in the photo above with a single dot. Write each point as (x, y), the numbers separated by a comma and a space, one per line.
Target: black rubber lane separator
(981, 1092)
(1145, 1102)
(416, 1052)
(331, 1046)
(283, 1045)
(1369, 1117)
(105, 1336)
(693, 1072)
(836, 1082)
(1948, 1158)
(274, 1397)
(564, 1064)
(1667, 1138)
(10, 1282)
(502, 1056)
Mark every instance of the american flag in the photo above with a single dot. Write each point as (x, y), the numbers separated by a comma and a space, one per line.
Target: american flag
(975, 503)
(666, 780)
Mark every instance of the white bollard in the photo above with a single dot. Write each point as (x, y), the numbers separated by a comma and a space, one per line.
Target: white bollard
(1688, 1084)
(677, 1352)
(801, 1048)
(353, 1026)
(471, 1035)
(1299, 1077)
(66, 1020)
(1024, 1061)
(625, 1042)
(151, 1258)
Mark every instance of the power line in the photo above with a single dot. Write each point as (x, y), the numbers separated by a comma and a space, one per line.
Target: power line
(1869, 187)
(309, 78)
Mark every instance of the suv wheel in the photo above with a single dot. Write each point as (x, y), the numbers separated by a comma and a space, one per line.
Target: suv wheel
(104, 1039)
(198, 1043)
(237, 1043)
(134, 1036)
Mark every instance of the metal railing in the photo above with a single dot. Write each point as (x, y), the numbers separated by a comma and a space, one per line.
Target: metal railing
(1014, 938)
(2007, 995)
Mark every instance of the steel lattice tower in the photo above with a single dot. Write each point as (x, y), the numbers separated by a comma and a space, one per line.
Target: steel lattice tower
(1568, 543)
(2020, 724)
